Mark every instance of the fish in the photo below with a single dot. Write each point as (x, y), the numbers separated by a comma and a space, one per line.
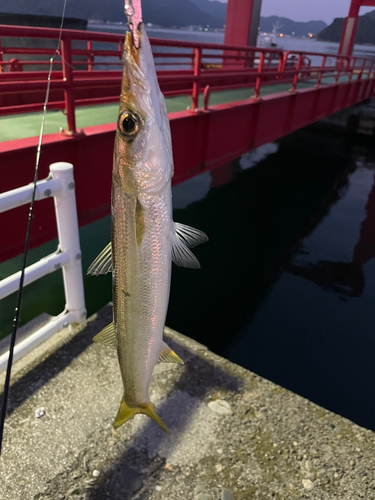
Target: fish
(144, 238)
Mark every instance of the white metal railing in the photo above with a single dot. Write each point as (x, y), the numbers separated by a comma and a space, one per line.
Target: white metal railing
(61, 186)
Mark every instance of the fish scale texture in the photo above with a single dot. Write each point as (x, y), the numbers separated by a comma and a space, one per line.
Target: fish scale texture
(141, 287)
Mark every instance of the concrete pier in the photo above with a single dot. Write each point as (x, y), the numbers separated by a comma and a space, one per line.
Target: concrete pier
(235, 436)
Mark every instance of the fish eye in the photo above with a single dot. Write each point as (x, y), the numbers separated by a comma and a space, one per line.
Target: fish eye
(129, 124)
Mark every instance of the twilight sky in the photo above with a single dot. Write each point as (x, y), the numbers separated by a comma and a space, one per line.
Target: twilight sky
(308, 10)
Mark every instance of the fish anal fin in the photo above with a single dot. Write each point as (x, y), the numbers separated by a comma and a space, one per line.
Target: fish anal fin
(126, 412)
(166, 355)
(103, 262)
(107, 336)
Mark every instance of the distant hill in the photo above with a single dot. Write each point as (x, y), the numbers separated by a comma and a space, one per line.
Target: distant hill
(45, 21)
(179, 13)
(217, 9)
(365, 30)
(166, 13)
(288, 26)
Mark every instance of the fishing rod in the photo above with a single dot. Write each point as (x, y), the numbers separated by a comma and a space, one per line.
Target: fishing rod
(16, 318)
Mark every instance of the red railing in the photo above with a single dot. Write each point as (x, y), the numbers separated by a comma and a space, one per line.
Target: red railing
(88, 69)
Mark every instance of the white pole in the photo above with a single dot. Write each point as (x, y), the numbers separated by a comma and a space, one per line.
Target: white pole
(67, 227)
(21, 196)
(36, 338)
(44, 266)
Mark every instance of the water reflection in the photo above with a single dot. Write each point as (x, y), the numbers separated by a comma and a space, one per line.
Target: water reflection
(347, 278)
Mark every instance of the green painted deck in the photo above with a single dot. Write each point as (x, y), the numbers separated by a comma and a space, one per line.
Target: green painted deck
(28, 125)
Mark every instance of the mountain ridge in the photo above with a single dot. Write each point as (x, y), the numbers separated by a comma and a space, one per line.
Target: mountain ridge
(165, 13)
(289, 26)
(365, 33)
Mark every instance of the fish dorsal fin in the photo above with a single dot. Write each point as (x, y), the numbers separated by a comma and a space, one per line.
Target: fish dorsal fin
(103, 262)
(166, 355)
(107, 336)
(189, 235)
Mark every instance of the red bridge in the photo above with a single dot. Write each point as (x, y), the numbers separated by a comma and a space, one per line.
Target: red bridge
(305, 87)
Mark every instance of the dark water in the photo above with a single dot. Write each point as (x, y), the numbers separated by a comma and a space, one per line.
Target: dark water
(287, 286)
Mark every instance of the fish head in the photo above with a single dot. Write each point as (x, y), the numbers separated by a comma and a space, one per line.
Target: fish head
(143, 150)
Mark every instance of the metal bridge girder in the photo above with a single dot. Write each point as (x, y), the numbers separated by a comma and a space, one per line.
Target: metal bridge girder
(201, 141)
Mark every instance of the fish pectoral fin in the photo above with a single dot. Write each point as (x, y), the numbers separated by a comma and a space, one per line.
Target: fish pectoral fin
(126, 412)
(166, 355)
(103, 262)
(181, 255)
(107, 336)
(190, 236)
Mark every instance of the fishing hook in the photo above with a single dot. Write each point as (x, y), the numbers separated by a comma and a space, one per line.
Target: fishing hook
(133, 11)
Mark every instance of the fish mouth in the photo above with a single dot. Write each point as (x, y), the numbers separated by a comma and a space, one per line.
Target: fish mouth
(130, 46)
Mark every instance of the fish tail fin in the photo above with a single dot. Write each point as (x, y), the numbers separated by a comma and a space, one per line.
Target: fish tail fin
(149, 410)
(126, 412)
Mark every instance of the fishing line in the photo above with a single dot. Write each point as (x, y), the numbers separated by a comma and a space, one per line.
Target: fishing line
(27, 241)
(133, 11)
(129, 11)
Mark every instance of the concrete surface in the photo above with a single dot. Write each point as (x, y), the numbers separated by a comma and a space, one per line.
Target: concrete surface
(235, 435)
(25, 331)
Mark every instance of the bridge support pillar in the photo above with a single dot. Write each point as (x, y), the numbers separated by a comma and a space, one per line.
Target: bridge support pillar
(349, 29)
(350, 26)
(242, 24)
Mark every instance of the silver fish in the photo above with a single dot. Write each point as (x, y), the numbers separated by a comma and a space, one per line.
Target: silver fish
(144, 238)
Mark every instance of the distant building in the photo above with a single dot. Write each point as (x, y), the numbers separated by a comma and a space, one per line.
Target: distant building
(194, 27)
